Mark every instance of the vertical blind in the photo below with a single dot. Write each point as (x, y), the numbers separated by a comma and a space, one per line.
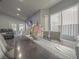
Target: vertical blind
(55, 21)
(69, 21)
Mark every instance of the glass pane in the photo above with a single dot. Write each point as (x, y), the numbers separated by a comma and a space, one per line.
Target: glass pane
(55, 21)
(70, 20)
(21, 29)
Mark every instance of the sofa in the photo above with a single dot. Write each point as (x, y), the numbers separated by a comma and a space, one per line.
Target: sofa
(6, 52)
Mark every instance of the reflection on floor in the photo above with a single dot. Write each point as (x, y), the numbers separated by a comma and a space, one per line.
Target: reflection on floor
(27, 49)
(41, 49)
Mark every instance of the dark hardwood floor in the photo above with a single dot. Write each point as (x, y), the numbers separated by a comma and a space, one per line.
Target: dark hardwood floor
(27, 49)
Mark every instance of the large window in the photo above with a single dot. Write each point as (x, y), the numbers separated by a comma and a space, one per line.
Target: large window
(70, 21)
(66, 22)
(21, 29)
(55, 22)
(14, 27)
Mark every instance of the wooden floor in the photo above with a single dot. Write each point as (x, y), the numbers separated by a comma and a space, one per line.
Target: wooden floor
(27, 49)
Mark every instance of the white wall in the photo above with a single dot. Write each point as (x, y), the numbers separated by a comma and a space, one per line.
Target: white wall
(5, 21)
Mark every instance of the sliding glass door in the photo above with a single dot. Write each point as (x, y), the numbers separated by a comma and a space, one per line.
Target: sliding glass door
(65, 22)
(70, 22)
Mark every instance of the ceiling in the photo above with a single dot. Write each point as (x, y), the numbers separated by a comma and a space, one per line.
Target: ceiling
(28, 7)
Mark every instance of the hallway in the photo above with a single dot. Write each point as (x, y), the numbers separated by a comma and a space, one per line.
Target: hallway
(39, 29)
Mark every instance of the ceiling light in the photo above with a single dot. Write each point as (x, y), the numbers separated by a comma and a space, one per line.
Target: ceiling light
(21, 0)
(18, 9)
(18, 14)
